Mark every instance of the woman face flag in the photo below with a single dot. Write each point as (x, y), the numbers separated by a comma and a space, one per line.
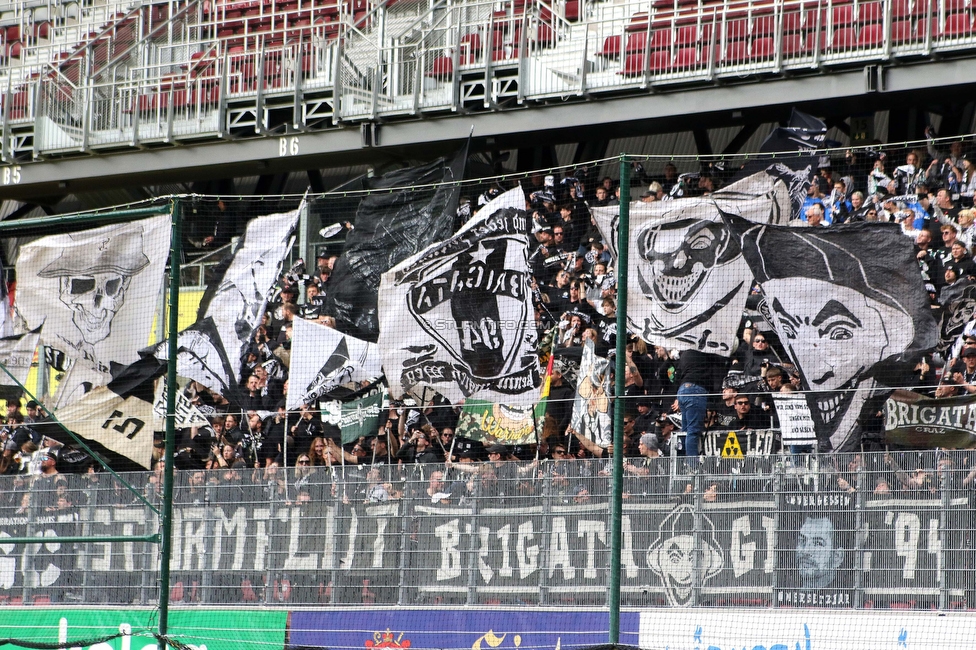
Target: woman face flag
(843, 302)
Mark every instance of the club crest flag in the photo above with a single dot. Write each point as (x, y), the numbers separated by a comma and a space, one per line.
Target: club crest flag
(95, 291)
(591, 408)
(458, 317)
(361, 417)
(17, 355)
(118, 417)
(322, 359)
(688, 280)
(239, 300)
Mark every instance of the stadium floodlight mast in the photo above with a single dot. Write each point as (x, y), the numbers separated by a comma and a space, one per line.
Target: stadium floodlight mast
(165, 537)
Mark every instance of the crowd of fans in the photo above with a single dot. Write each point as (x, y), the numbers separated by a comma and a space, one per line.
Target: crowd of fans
(928, 192)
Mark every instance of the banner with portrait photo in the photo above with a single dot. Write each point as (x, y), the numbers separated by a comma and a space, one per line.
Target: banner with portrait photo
(458, 316)
(94, 291)
(689, 282)
(815, 550)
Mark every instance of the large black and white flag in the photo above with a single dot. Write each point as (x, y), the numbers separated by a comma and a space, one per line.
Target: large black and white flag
(688, 280)
(238, 301)
(200, 357)
(118, 418)
(17, 355)
(458, 318)
(591, 407)
(417, 208)
(322, 359)
(95, 291)
(847, 302)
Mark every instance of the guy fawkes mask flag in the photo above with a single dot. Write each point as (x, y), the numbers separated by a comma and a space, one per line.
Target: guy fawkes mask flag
(457, 317)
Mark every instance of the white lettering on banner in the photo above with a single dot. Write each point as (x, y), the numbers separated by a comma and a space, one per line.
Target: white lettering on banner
(591, 530)
(379, 544)
(194, 539)
(487, 573)
(130, 518)
(503, 535)
(627, 561)
(769, 525)
(528, 557)
(559, 549)
(907, 527)
(236, 525)
(743, 553)
(449, 535)
(262, 517)
(295, 561)
(102, 561)
(935, 546)
(351, 540)
(328, 551)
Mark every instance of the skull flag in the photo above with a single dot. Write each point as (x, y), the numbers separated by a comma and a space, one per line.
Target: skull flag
(95, 291)
(322, 359)
(689, 281)
(238, 302)
(457, 317)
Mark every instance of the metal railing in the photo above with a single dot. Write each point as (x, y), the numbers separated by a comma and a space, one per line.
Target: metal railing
(411, 58)
(867, 530)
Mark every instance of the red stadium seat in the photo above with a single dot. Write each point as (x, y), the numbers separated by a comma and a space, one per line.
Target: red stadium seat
(686, 57)
(960, 24)
(737, 28)
(844, 38)
(763, 48)
(442, 68)
(764, 26)
(902, 31)
(736, 51)
(870, 12)
(842, 15)
(633, 66)
(660, 61)
(636, 42)
(611, 47)
(793, 44)
(871, 36)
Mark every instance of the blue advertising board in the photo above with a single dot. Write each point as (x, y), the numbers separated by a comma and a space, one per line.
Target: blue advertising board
(456, 629)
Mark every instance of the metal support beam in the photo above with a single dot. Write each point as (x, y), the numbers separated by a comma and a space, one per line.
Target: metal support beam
(563, 122)
(702, 141)
(741, 138)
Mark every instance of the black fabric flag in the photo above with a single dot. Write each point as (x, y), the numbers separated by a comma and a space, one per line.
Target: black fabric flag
(390, 227)
(847, 303)
(804, 132)
(116, 420)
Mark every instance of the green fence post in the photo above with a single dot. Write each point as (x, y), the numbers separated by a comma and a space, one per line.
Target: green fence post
(175, 254)
(616, 505)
